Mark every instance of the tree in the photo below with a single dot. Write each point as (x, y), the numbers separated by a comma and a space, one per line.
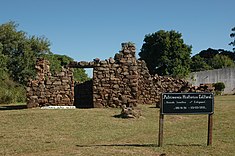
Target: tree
(208, 54)
(58, 61)
(165, 53)
(18, 54)
(232, 35)
(229, 54)
(199, 64)
(3, 65)
(212, 59)
(221, 61)
(21, 51)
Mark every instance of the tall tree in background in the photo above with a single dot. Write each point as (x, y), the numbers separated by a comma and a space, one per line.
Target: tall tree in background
(165, 53)
(3, 65)
(232, 35)
(208, 54)
(58, 61)
(199, 64)
(20, 52)
(212, 59)
(221, 61)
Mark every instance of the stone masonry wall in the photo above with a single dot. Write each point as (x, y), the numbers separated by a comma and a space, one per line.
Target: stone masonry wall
(118, 81)
(50, 90)
(124, 80)
(115, 81)
(150, 87)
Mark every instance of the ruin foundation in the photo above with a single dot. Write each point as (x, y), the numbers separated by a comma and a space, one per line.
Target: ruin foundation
(118, 81)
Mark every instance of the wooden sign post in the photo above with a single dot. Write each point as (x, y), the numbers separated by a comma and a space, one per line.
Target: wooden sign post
(186, 103)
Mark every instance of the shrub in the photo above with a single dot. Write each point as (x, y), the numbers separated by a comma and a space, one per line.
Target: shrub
(11, 92)
(219, 86)
(6, 96)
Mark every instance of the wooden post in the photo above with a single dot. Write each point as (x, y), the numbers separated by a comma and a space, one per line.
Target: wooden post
(210, 125)
(160, 134)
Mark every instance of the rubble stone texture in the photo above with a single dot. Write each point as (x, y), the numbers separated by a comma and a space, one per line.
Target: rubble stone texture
(48, 90)
(118, 81)
(129, 112)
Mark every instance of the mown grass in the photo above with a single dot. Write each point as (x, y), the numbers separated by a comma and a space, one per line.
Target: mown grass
(95, 132)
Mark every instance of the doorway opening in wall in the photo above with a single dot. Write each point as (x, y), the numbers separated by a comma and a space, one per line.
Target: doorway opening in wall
(83, 90)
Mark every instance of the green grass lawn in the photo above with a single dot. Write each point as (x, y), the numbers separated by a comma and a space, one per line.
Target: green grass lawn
(95, 132)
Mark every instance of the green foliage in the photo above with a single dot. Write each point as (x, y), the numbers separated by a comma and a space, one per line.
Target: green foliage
(229, 54)
(232, 35)
(198, 64)
(221, 61)
(219, 86)
(212, 59)
(3, 67)
(208, 54)
(80, 75)
(165, 53)
(11, 92)
(20, 52)
(59, 61)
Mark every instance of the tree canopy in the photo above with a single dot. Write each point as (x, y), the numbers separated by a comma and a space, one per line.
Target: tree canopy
(212, 59)
(18, 54)
(199, 64)
(165, 53)
(57, 61)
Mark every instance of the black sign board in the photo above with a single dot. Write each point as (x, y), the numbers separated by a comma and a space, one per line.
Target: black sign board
(187, 103)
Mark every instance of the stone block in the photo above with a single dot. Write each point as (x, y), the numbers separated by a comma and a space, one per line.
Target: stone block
(57, 83)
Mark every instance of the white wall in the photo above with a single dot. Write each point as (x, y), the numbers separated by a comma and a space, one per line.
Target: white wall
(225, 75)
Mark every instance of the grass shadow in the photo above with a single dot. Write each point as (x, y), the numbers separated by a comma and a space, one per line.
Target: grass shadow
(154, 107)
(120, 145)
(118, 116)
(185, 145)
(139, 145)
(12, 107)
(84, 107)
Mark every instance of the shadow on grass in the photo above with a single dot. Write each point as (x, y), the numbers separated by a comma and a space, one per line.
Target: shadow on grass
(13, 107)
(139, 145)
(185, 145)
(154, 107)
(118, 116)
(120, 145)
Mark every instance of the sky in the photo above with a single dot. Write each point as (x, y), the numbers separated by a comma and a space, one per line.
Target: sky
(88, 29)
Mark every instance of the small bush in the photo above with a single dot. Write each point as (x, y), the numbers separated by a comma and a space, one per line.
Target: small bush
(11, 92)
(19, 94)
(219, 86)
(218, 92)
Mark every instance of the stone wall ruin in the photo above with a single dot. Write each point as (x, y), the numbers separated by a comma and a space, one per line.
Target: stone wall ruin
(48, 89)
(118, 81)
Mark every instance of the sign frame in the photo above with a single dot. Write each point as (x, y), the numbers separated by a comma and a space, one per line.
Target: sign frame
(184, 100)
(210, 115)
